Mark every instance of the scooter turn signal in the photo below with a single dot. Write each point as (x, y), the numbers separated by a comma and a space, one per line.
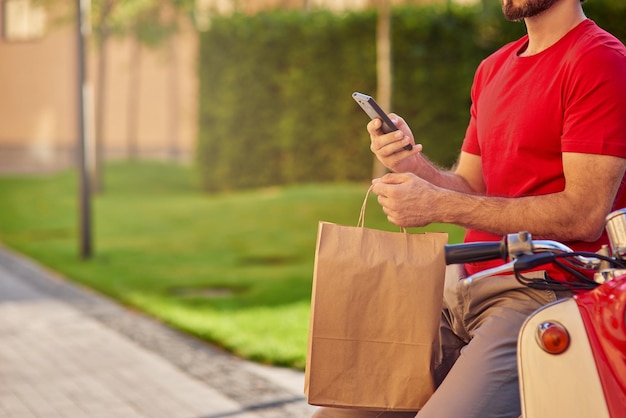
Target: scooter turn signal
(552, 337)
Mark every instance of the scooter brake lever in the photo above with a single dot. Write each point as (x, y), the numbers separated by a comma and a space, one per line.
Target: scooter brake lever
(505, 268)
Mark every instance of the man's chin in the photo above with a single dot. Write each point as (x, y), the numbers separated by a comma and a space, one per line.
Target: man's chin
(530, 9)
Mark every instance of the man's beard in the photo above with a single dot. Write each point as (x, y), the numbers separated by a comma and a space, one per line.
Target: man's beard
(529, 9)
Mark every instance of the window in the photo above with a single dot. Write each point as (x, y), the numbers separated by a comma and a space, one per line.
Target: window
(23, 20)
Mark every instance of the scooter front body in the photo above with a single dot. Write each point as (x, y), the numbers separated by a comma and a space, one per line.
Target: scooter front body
(588, 378)
(603, 311)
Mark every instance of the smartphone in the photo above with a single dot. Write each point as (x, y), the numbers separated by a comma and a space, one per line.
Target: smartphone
(373, 110)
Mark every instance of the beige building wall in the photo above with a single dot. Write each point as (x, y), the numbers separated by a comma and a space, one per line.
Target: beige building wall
(150, 99)
(37, 101)
(150, 102)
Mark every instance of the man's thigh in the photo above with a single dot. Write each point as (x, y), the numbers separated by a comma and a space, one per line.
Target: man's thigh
(483, 381)
(354, 413)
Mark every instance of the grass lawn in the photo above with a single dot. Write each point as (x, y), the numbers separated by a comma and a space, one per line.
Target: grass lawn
(234, 269)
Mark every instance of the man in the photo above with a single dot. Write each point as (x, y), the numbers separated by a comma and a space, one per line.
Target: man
(544, 152)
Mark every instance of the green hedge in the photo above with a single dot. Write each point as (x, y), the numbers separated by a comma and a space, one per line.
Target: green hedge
(275, 102)
(275, 105)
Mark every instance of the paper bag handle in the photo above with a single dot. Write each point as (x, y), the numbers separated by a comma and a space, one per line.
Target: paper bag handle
(361, 222)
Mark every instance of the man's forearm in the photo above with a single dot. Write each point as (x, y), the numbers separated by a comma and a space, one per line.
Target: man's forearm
(549, 216)
(576, 213)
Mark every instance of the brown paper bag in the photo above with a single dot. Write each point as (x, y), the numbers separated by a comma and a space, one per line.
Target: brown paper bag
(375, 315)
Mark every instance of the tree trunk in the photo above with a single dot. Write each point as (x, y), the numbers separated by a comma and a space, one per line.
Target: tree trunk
(101, 90)
(132, 122)
(173, 123)
(383, 68)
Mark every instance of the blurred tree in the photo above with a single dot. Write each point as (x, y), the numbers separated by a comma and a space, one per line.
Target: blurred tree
(147, 23)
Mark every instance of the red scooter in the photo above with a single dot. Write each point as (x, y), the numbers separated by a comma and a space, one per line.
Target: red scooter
(572, 353)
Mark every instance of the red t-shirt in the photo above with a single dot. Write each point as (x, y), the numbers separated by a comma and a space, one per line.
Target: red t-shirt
(527, 111)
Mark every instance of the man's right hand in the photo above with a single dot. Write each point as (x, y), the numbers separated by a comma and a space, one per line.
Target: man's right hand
(389, 148)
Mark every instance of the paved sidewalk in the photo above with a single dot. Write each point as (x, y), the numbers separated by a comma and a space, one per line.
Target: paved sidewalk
(67, 352)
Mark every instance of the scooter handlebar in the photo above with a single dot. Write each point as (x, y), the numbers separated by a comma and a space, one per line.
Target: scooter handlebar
(475, 251)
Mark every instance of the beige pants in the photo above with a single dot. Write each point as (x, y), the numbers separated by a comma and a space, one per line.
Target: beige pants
(477, 371)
